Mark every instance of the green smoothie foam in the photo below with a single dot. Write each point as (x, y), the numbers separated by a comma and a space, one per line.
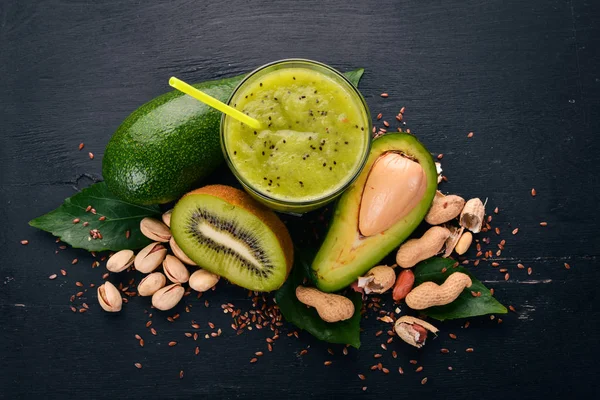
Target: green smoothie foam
(314, 138)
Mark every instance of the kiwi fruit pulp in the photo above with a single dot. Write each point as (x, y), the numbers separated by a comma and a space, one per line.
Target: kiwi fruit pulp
(227, 232)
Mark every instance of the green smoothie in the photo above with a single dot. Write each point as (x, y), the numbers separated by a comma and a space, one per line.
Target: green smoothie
(315, 135)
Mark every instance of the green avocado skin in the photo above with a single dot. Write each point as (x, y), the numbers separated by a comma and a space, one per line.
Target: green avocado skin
(165, 147)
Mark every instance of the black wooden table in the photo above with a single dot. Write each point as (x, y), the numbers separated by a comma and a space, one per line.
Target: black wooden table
(522, 75)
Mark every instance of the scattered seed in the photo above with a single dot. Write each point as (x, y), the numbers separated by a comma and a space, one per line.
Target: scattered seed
(73, 309)
(253, 360)
(345, 351)
(91, 155)
(127, 234)
(378, 333)
(81, 145)
(394, 354)
(181, 374)
(377, 355)
(469, 350)
(506, 276)
(452, 335)
(419, 369)
(423, 381)
(379, 116)
(63, 272)
(364, 388)
(449, 368)
(76, 220)
(497, 230)
(413, 362)
(444, 351)
(384, 95)
(567, 266)
(533, 193)
(197, 350)
(326, 363)
(171, 344)
(496, 210)
(24, 242)
(529, 271)
(361, 377)
(400, 371)
(138, 365)
(543, 224)
(470, 135)
(53, 276)
(387, 124)
(385, 370)
(74, 261)
(511, 308)
(153, 331)
(102, 218)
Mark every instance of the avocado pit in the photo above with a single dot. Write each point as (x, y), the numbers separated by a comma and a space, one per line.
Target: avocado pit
(395, 185)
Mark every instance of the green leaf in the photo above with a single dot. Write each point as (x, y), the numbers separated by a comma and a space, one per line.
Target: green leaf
(120, 218)
(354, 76)
(343, 332)
(465, 305)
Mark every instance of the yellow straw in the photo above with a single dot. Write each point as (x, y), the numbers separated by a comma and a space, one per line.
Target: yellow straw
(214, 103)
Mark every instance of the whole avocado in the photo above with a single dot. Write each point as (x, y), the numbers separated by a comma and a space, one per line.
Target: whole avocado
(165, 147)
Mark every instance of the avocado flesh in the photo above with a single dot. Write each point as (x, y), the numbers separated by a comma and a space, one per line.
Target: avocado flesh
(345, 254)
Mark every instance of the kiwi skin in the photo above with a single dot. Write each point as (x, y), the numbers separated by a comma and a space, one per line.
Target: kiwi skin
(243, 200)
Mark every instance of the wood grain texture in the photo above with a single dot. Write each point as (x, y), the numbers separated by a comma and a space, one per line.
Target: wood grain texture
(523, 76)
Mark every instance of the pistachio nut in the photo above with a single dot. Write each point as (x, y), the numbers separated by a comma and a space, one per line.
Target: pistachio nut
(151, 284)
(120, 261)
(413, 330)
(166, 217)
(155, 230)
(175, 271)
(150, 257)
(378, 280)
(109, 297)
(166, 298)
(202, 280)
(179, 253)
(395, 185)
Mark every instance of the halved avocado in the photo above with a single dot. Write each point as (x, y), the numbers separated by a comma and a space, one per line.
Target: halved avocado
(345, 253)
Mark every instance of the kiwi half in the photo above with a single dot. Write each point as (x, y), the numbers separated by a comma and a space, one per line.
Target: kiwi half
(227, 232)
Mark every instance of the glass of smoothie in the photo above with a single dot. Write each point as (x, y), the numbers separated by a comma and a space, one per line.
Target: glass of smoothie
(314, 140)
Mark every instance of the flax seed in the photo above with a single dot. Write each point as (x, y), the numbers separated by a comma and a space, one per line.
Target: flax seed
(413, 362)
(141, 342)
(399, 117)
(377, 355)
(53, 276)
(507, 276)
(153, 331)
(361, 377)
(327, 363)
(385, 370)
(452, 335)
(394, 354)
(253, 360)
(424, 381)
(503, 270)
(444, 351)
(567, 266)
(258, 353)
(491, 291)
(533, 193)
(25, 242)
(63, 272)
(91, 155)
(378, 333)
(419, 369)
(511, 308)
(379, 116)
(270, 347)
(138, 365)
(543, 224)
(529, 271)
(387, 124)
(181, 374)
(469, 350)
(102, 218)
(470, 135)
(81, 146)
(373, 367)
(197, 350)
(384, 95)
(345, 351)
(400, 371)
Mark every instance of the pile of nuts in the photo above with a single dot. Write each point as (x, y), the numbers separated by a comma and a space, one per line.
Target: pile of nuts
(147, 261)
(436, 240)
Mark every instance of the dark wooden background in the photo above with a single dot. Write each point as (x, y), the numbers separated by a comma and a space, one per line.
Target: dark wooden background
(522, 75)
